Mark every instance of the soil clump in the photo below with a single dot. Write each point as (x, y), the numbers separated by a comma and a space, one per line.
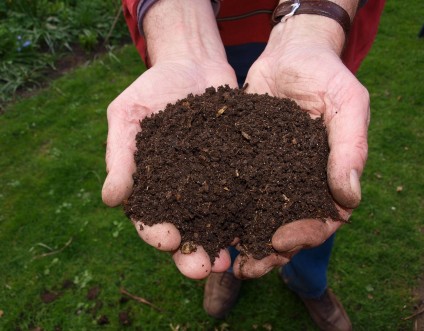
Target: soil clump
(227, 164)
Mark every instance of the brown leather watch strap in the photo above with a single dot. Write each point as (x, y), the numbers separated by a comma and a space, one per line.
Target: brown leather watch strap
(315, 7)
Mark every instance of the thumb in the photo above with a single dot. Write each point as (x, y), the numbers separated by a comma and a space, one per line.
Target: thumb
(120, 163)
(117, 187)
(347, 138)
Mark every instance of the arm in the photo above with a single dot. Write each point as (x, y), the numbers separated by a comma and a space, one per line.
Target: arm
(302, 62)
(186, 56)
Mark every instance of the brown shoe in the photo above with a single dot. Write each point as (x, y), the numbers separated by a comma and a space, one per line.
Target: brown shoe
(328, 312)
(221, 293)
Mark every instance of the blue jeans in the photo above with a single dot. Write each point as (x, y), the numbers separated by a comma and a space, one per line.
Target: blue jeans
(306, 273)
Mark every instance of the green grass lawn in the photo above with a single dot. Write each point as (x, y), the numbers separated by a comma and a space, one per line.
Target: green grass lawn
(59, 242)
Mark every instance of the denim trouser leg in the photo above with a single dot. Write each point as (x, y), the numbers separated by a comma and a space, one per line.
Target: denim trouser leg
(233, 254)
(306, 273)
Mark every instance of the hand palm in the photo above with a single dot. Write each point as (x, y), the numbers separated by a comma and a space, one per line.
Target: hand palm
(152, 91)
(323, 86)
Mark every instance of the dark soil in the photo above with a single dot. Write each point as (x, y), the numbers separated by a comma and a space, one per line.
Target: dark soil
(124, 318)
(93, 293)
(227, 164)
(48, 296)
(103, 320)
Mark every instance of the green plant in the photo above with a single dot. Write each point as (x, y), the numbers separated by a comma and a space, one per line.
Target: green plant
(7, 42)
(36, 33)
(88, 39)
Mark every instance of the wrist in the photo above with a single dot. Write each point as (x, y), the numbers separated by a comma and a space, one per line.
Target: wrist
(185, 30)
(307, 31)
(324, 23)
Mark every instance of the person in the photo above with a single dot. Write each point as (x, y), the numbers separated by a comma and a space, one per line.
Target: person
(306, 57)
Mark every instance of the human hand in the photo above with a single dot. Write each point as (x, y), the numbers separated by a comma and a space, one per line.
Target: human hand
(309, 70)
(164, 83)
(179, 66)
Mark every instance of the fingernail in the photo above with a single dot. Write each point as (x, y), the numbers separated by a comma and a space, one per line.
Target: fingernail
(355, 185)
(268, 270)
(295, 249)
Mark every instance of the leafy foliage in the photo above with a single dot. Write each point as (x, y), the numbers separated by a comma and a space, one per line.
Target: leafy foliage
(35, 34)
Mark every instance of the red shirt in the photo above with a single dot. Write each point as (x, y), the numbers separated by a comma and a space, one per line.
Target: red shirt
(237, 17)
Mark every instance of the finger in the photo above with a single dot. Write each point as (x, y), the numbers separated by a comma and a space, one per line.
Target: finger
(163, 236)
(247, 267)
(222, 262)
(123, 126)
(347, 138)
(196, 265)
(117, 187)
(166, 237)
(301, 234)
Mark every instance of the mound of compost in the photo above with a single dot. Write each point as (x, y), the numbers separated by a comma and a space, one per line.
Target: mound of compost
(228, 164)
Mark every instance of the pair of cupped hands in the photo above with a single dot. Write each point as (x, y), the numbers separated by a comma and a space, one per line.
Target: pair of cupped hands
(315, 78)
